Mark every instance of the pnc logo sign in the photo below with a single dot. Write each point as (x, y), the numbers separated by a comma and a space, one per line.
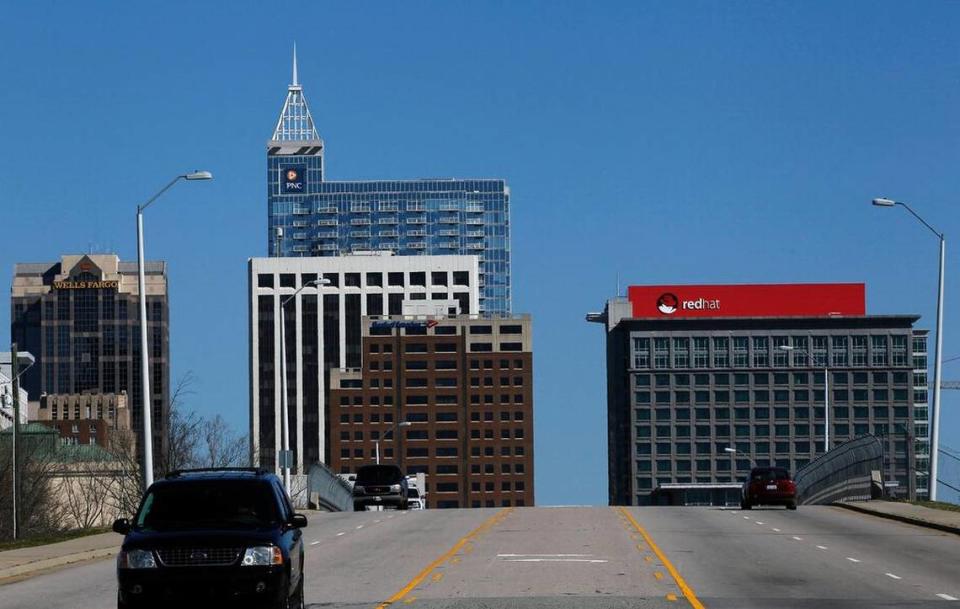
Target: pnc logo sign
(294, 179)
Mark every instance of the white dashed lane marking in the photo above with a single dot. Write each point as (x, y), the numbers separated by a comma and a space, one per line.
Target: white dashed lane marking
(821, 547)
(313, 543)
(852, 559)
(892, 576)
(359, 526)
(758, 522)
(798, 538)
(946, 597)
(776, 529)
(341, 533)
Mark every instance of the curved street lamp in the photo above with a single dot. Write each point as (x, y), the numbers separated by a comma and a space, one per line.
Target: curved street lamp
(144, 355)
(935, 408)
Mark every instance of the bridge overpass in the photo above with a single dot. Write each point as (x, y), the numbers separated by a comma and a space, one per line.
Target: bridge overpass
(591, 558)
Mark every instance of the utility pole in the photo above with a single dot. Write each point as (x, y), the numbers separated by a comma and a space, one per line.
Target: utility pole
(15, 385)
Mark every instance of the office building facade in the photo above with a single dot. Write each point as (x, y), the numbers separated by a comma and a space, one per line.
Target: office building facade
(693, 371)
(464, 384)
(88, 418)
(323, 331)
(80, 319)
(311, 216)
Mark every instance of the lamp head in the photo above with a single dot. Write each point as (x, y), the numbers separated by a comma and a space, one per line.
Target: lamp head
(879, 202)
(729, 450)
(199, 175)
(404, 424)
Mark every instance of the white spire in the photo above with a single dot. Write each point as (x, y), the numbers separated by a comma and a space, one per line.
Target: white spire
(295, 123)
(295, 83)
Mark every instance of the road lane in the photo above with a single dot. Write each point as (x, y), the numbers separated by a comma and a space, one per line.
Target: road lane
(734, 562)
(559, 558)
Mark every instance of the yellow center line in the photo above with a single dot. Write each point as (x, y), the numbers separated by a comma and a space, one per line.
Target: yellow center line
(487, 524)
(687, 591)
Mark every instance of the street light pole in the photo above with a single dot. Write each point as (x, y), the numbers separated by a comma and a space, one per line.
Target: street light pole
(144, 356)
(15, 374)
(286, 456)
(935, 408)
(393, 429)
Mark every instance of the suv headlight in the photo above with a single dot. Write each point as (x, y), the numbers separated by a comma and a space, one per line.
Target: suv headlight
(394, 488)
(136, 559)
(262, 556)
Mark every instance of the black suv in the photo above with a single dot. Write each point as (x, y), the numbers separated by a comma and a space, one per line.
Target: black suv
(380, 485)
(215, 538)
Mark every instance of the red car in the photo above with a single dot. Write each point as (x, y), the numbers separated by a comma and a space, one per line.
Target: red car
(769, 486)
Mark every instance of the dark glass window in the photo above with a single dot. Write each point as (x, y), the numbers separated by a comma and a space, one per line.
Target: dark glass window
(264, 280)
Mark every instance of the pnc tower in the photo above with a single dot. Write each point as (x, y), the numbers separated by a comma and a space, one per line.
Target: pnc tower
(434, 216)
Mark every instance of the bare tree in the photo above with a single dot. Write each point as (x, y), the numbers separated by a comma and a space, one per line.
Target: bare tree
(222, 447)
(184, 430)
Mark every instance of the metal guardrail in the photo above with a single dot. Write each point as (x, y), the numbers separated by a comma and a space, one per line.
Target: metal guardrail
(845, 473)
(328, 491)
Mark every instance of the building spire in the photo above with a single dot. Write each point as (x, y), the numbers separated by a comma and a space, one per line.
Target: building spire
(295, 123)
(295, 82)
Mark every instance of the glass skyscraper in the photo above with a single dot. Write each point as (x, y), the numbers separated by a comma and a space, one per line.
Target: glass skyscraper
(309, 216)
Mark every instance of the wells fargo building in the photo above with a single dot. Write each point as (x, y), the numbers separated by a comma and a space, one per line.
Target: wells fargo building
(80, 318)
(693, 371)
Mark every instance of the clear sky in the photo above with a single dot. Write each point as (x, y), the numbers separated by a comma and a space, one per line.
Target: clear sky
(667, 142)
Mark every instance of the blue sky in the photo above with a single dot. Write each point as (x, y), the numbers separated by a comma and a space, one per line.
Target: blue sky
(694, 142)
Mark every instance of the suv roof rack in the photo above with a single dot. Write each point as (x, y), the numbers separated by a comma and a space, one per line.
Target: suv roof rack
(201, 470)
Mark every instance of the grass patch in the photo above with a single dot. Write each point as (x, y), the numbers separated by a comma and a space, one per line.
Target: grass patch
(42, 540)
(936, 505)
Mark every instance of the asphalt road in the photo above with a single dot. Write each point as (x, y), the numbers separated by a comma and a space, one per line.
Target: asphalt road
(587, 558)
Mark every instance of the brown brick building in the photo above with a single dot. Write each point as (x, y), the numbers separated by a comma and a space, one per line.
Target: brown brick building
(465, 385)
(88, 418)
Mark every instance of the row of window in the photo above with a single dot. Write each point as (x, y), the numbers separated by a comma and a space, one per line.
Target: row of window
(779, 396)
(766, 351)
(761, 413)
(423, 400)
(757, 449)
(374, 279)
(724, 379)
(762, 430)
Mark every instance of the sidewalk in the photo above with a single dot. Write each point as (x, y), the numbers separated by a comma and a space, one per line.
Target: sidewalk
(942, 520)
(24, 561)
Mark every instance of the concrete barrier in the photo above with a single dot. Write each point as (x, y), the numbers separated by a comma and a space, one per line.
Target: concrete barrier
(327, 491)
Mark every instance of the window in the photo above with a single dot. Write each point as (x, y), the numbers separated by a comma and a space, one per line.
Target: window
(661, 352)
(761, 355)
(859, 350)
(681, 352)
(839, 355)
(879, 350)
(781, 356)
(899, 350)
(288, 280)
(641, 352)
(721, 352)
(395, 279)
(438, 278)
(741, 347)
(264, 280)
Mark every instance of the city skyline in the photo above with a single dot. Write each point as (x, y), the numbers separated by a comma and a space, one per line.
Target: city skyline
(710, 161)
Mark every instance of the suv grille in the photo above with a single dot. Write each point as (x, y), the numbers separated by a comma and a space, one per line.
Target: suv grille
(190, 557)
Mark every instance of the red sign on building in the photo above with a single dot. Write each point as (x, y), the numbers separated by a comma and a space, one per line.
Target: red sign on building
(767, 300)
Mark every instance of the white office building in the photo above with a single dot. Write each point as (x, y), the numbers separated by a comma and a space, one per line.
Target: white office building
(323, 331)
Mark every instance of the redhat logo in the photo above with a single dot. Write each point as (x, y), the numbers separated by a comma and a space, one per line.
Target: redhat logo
(668, 303)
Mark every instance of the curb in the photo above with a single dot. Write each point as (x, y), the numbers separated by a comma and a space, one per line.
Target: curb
(59, 561)
(946, 528)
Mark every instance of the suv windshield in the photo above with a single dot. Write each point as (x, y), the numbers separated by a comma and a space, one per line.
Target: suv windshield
(379, 474)
(226, 503)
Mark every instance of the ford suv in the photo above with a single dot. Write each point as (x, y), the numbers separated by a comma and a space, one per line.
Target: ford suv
(216, 538)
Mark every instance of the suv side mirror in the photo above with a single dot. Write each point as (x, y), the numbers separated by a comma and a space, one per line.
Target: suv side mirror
(121, 525)
(298, 521)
